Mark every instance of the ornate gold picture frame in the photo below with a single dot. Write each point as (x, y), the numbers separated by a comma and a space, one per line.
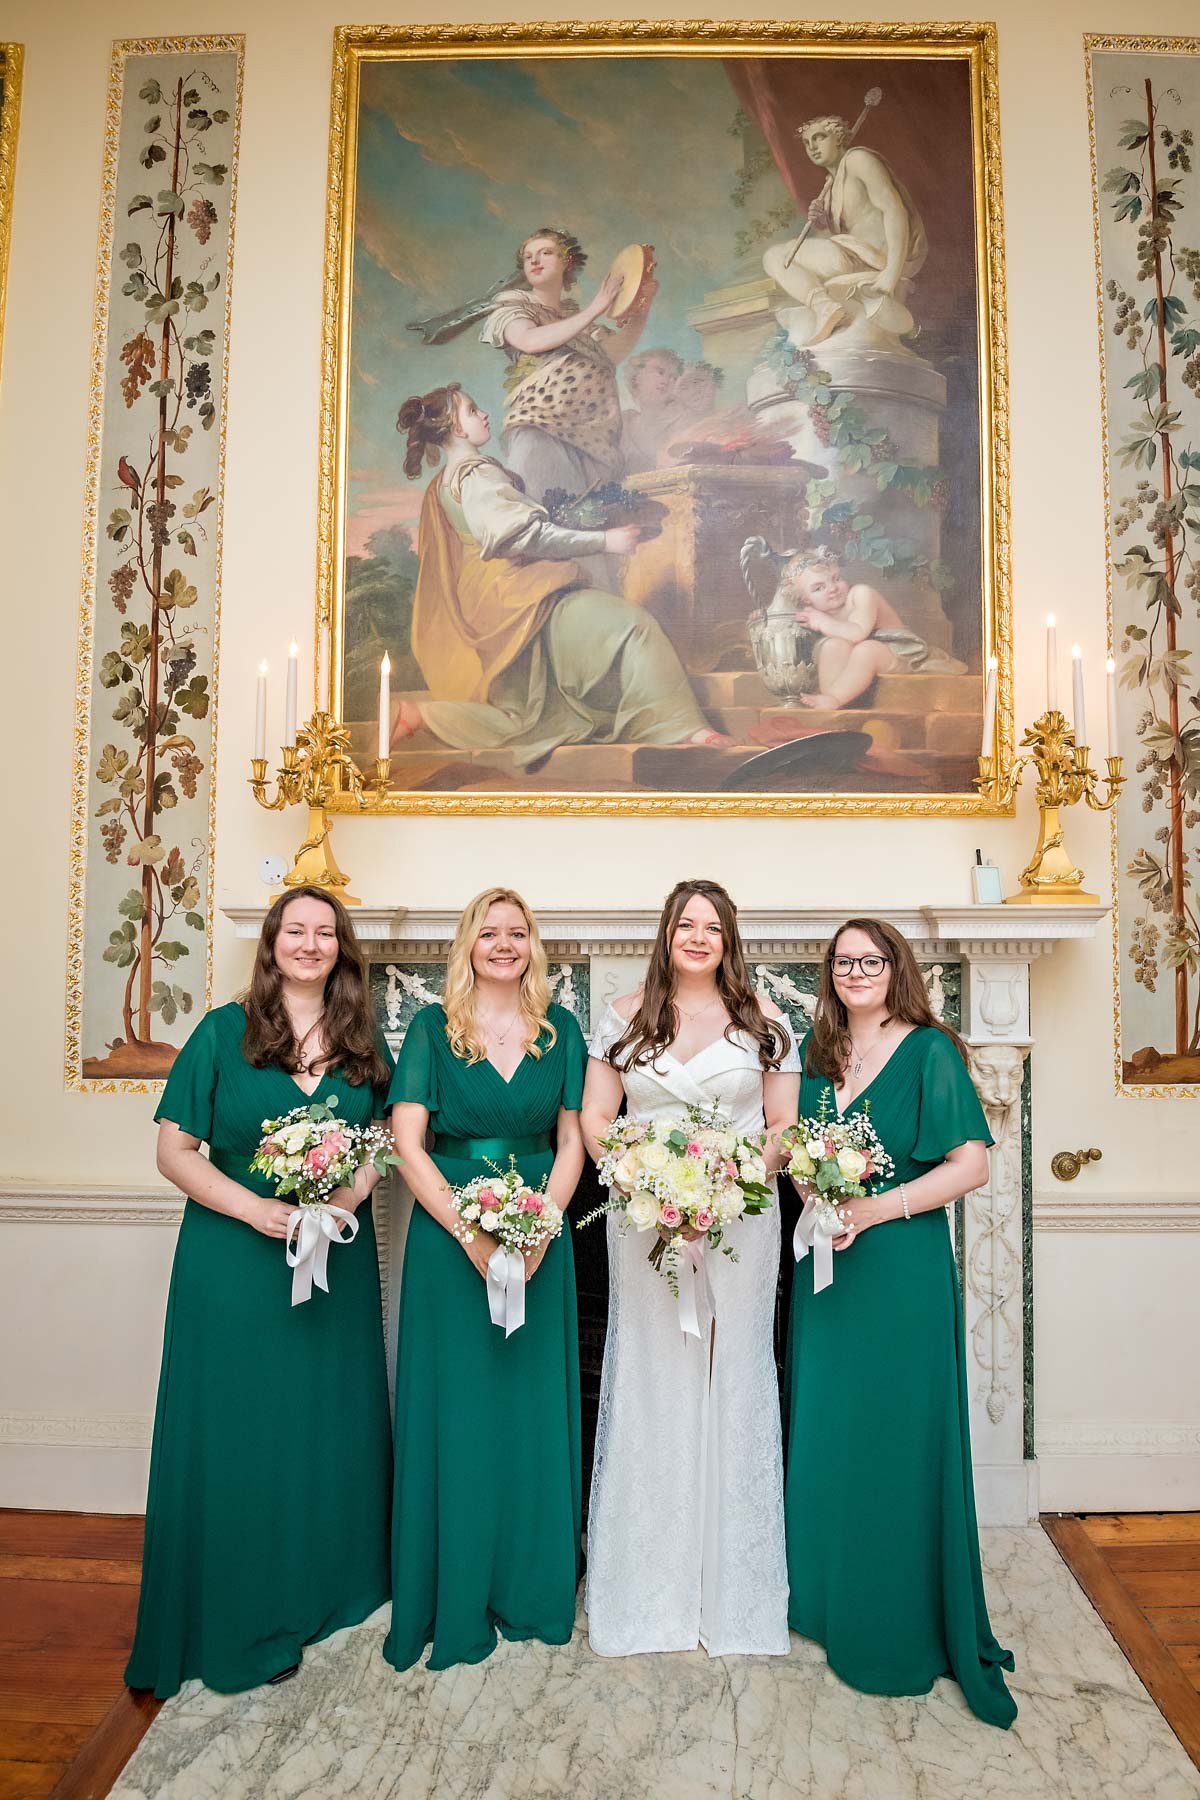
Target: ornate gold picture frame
(11, 58)
(726, 529)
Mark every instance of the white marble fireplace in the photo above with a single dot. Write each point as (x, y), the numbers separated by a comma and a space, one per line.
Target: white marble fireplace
(978, 963)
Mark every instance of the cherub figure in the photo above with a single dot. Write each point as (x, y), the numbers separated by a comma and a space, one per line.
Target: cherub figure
(860, 634)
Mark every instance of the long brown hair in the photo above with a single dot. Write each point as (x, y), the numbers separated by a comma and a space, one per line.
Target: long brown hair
(348, 1026)
(655, 1024)
(829, 1046)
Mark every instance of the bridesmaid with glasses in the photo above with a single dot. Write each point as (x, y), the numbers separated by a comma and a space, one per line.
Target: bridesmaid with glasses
(486, 1521)
(882, 1546)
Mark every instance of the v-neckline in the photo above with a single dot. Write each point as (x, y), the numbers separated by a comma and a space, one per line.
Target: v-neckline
(507, 1079)
(309, 1097)
(686, 1062)
(882, 1070)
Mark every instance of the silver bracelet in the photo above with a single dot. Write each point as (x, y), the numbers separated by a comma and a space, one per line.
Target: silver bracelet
(904, 1200)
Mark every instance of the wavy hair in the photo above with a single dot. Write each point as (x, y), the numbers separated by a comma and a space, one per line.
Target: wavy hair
(829, 1047)
(655, 1025)
(458, 1000)
(348, 1026)
(428, 423)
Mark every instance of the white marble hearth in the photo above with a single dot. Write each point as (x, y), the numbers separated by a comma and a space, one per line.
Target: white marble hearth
(534, 1721)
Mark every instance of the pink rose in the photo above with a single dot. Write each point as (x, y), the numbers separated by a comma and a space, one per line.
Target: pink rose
(335, 1142)
(704, 1218)
(670, 1215)
(532, 1203)
(317, 1161)
(695, 1148)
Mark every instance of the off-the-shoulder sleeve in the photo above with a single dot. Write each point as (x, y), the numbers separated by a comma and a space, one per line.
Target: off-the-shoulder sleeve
(190, 1094)
(415, 1080)
(950, 1113)
(575, 1055)
(382, 1092)
(609, 1027)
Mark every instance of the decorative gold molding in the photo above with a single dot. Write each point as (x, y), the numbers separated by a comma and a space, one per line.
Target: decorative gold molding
(12, 58)
(1134, 45)
(122, 50)
(973, 41)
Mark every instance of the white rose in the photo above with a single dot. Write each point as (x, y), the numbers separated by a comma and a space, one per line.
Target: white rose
(551, 1216)
(471, 1212)
(754, 1169)
(816, 1148)
(642, 1211)
(732, 1204)
(851, 1162)
(292, 1163)
(655, 1158)
(490, 1220)
(626, 1171)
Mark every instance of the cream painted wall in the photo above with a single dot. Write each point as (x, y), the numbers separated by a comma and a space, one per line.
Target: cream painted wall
(57, 1138)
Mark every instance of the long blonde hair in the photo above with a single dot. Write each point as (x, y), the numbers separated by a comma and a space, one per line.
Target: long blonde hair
(458, 1000)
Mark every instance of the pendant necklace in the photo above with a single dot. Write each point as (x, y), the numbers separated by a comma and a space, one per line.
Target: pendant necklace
(501, 1035)
(703, 1009)
(862, 1055)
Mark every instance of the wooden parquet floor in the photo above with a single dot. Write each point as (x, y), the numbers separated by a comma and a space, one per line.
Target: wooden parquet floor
(68, 1599)
(1141, 1571)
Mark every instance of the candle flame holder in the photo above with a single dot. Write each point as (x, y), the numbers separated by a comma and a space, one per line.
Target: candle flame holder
(1064, 777)
(318, 766)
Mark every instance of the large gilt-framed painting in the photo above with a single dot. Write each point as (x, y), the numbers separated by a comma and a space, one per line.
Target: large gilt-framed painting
(664, 417)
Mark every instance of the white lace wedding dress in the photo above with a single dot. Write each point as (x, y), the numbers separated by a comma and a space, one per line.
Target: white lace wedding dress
(685, 1526)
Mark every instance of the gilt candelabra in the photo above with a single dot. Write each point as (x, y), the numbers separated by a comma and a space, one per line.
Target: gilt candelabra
(315, 768)
(1064, 777)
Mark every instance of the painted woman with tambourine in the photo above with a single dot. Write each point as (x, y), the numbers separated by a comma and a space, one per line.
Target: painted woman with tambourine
(562, 422)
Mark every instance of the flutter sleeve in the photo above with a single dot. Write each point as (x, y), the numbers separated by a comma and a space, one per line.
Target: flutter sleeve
(189, 1098)
(382, 1093)
(575, 1054)
(609, 1027)
(505, 523)
(415, 1080)
(949, 1112)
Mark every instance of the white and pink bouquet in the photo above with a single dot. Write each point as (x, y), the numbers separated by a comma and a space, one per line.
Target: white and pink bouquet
(308, 1153)
(831, 1159)
(520, 1218)
(686, 1180)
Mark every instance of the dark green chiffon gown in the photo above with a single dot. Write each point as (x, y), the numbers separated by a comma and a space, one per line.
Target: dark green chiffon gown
(486, 1517)
(882, 1545)
(270, 1474)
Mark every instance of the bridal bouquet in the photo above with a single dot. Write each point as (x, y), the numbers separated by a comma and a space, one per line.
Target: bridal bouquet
(307, 1153)
(520, 1218)
(834, 1158)
(696, 1174)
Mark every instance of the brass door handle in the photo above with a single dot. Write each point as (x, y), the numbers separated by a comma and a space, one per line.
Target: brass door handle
(1067, 1164)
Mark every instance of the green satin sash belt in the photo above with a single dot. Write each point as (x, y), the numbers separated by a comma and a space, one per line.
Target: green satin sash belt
(494, 1150)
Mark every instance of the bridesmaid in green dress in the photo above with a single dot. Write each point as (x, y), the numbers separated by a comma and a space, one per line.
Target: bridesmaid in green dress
(486, 1520)
(270, 1474)
(883, 1551)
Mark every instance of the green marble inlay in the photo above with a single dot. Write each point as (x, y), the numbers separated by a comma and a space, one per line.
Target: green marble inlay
(401, 988)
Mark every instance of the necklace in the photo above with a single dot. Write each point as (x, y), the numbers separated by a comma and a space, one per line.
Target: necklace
(303, 1062)
(860, 1056)
(501, 1035)
(703, 1009)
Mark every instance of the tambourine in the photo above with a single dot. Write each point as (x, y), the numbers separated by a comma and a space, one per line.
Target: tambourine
(633, 267)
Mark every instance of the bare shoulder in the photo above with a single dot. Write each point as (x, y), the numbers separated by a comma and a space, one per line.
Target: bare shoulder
(627, 1005)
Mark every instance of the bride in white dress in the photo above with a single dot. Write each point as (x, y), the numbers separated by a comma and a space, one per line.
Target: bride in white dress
(685, 1526)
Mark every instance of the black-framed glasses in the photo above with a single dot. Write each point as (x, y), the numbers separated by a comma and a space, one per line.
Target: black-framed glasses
(870, 965)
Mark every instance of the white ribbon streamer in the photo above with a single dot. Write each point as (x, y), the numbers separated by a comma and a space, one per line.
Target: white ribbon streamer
(506, 1289)
(310, 1231)
(693, 1287)
(815, 1230)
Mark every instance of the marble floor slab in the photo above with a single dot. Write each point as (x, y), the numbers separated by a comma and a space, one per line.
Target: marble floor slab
(538, 1721)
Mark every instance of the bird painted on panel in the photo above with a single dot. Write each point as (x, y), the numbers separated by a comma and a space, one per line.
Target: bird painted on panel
(129, 476)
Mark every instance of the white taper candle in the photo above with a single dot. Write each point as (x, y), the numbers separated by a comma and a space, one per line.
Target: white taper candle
(293, 678)
(988, 745)
(385, 704)
(1051, 663)
(1081, 736)
(1114, 740)
(260, 714)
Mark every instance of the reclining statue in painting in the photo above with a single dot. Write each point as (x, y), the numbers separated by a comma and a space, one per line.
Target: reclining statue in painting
(852, 266)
